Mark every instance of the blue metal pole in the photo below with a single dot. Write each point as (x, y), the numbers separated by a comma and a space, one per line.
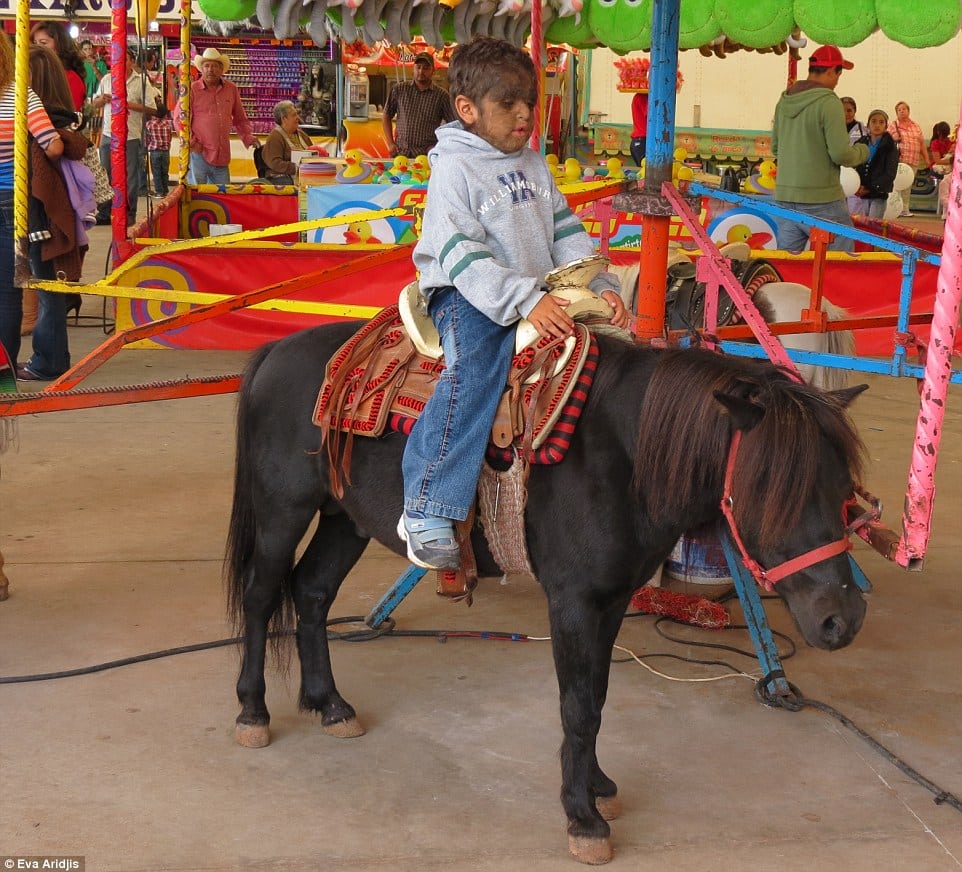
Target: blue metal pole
(757, 622)
(661, 93)
(392, 599)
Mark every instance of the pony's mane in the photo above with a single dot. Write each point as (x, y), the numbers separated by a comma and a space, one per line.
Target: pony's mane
(685, 434)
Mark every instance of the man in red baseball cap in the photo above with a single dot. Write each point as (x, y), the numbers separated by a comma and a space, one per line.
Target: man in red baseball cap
(810, 142)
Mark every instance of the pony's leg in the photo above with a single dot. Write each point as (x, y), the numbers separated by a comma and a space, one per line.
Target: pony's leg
(605, 790)
(576, 624)
(264, 577)
(334, 549)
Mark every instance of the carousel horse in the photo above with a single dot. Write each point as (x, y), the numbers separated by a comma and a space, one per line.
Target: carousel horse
(646, 461)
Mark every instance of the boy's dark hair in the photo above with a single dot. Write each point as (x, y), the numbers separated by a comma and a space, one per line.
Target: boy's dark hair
(487, 67)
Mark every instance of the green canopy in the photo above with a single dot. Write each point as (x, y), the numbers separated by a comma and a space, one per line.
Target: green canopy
(625, 25)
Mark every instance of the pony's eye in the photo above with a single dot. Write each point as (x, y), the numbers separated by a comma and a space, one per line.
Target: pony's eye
(606, 3)
(633, 3)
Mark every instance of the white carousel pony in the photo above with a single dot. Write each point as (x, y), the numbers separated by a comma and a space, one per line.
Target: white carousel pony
(781, 301)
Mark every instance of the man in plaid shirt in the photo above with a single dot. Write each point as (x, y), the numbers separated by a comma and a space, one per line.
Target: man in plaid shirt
(421, 107)
(157, 135)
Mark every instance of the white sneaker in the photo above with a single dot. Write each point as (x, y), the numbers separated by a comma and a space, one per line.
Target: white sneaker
(907, 215)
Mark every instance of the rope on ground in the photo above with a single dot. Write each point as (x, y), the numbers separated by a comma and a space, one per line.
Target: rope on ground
(796, 702)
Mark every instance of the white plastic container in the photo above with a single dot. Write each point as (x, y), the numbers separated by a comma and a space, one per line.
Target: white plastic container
(224, 229)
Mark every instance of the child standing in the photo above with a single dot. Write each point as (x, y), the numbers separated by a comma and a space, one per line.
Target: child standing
(158, 132)
(877, 174)
(494, 225)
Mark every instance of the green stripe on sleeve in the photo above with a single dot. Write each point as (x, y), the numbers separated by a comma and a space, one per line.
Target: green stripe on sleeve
(466, 261)
(453, 241)
(564, 233)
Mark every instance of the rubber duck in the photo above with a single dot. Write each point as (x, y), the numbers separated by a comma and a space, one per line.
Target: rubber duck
(614, 168)
(551, 159)
(680, 156)
(399, 171)
(354, 170)
(572, 171)
(743, 233)
(762, 182)
(420, 169)
(359, 232)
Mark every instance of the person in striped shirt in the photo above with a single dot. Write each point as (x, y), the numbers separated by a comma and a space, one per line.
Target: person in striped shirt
(38, 123)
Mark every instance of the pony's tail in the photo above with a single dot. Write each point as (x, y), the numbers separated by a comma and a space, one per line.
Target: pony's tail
(243, 522)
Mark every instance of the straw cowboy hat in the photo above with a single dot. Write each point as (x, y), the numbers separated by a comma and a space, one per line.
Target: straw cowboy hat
(211, 54)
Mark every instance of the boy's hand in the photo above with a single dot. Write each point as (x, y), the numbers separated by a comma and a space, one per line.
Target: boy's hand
(620, 318)
(550, 318)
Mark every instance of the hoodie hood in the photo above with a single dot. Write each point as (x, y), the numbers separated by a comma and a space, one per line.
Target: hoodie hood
(453, 139)
(802, 95)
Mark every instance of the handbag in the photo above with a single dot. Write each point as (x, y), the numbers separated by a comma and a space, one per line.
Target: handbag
(103, 192)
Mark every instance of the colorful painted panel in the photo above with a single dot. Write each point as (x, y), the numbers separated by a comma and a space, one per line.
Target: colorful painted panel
(328, 201)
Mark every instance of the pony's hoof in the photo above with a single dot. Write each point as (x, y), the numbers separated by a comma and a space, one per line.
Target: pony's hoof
(593, 852)
(349, 728)
(252, 735)
(609, 807)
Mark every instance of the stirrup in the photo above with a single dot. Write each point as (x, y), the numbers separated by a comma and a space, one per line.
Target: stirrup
(423, 537)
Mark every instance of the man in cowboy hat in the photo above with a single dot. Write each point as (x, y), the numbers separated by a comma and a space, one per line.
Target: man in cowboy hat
(810, 142)
(215, 107)
(420, 106)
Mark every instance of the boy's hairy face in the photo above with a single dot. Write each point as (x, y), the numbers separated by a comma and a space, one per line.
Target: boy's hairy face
(505, 115)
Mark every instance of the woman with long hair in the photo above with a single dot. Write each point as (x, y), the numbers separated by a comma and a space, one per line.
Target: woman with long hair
(53, 35)
(57, 238)
(47, 138)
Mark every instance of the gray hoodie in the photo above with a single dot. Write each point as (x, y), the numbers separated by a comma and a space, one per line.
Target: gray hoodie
(494, 225)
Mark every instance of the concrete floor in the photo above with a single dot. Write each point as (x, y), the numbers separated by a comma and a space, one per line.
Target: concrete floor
(113, 525)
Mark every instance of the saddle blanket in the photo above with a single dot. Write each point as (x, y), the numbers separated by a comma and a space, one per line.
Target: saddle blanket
(378, 381)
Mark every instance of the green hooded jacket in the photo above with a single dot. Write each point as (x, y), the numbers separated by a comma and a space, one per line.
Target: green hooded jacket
(810, 143)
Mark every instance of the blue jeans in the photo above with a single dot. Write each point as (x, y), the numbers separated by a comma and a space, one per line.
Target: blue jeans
(160, 169)
(793, 236)
(51, 355)
(135, 160)
(11, 297)
(442, 460)
(203, 173)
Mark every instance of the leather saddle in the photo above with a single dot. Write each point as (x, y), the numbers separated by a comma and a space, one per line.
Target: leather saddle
(384, 373)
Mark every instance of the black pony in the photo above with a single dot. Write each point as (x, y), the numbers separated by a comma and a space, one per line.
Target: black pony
(646, 463)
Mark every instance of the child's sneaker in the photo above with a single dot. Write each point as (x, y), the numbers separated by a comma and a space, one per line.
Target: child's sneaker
(431, 541)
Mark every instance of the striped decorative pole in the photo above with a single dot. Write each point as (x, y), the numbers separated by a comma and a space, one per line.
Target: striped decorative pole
(21, 152)
(537, 50)
(183, 96)
(118, 119)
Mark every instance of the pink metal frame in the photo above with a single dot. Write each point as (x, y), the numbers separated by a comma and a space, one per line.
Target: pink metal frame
(909, 550)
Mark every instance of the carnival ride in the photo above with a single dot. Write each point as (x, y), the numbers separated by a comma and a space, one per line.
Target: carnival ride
(153, 271)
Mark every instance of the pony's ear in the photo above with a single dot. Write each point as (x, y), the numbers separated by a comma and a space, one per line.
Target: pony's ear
(846, 395)
(744, 413)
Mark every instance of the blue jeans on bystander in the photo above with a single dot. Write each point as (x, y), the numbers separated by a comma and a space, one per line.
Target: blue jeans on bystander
(203, 173)
(160, 169)
(793, 236)
(442, 460)
(51, 355)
